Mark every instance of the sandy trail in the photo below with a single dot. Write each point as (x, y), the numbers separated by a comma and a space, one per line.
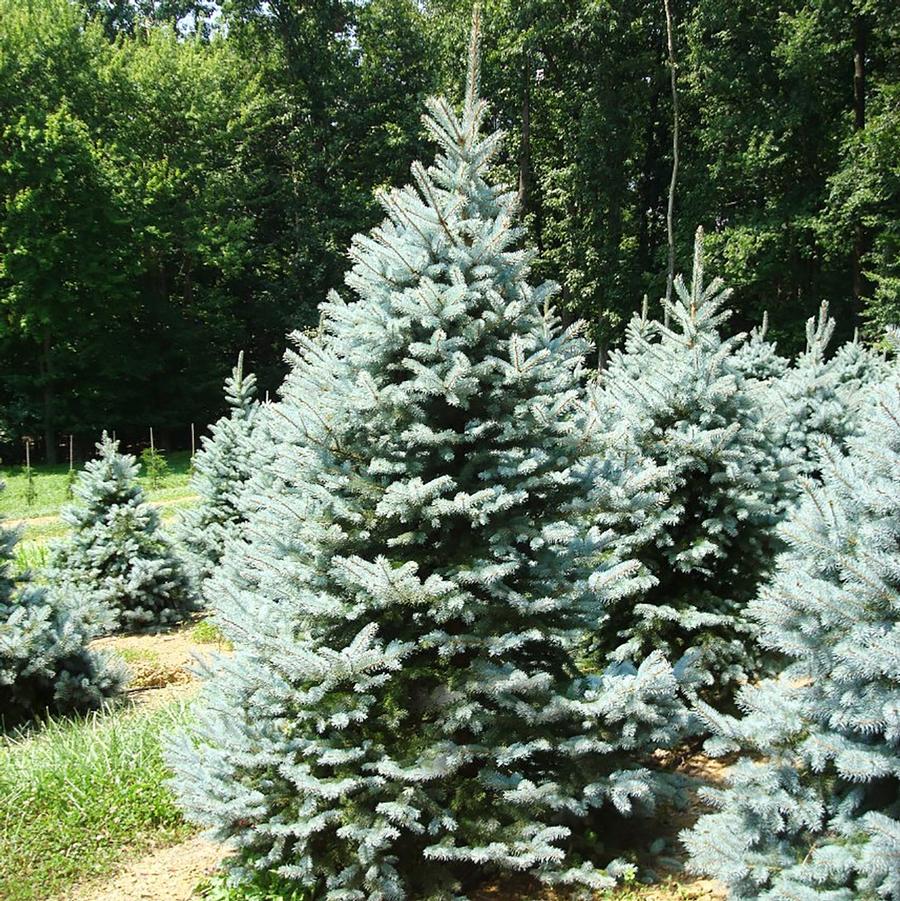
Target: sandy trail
(164, 874)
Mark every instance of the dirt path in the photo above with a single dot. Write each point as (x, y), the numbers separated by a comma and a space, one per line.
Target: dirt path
(161, 667)
(43, 520)
(162, 664)
(165, 874)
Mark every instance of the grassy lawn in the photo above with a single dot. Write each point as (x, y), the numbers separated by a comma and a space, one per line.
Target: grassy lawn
(77, 795)
(50, 488)
(42, 516)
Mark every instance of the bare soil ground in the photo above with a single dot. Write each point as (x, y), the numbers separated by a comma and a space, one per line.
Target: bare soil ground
(157, 661)
(165, 874)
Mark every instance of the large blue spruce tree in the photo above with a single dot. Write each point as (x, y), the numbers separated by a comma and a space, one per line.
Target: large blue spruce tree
(403, 714)
(814, 813)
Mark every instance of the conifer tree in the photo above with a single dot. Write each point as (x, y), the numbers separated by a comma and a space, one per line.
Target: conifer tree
(686, 404)
(758, 358)
(815, 813)
(221, 471)
(403, 713)
(822, 396)
(45, 662)
(116, 556)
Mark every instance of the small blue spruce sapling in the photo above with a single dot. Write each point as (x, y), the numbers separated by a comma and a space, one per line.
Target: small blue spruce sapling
(221, 471)
(677, 397)
(116, 555)
(45, 662)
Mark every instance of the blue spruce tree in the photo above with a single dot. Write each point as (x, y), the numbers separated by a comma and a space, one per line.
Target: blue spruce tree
(222, 469)
(116, 556)
(822, 396)
(684, 403)
(403, 713)
(758, 359)
(815, 813)
(45, 662)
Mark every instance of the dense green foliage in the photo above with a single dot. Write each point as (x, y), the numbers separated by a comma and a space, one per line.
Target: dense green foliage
(182, 182)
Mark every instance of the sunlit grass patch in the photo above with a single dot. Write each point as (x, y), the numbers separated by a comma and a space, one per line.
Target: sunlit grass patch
(74, 795)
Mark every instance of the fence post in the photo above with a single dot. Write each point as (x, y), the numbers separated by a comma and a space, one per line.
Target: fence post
(30, 493)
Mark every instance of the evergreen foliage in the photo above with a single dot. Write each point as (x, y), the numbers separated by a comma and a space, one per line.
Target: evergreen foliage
(758, 358)
(818, 816)
(116, 555)
(822, 396)
(686, 405)
(221, 471)
(403, 714)
(45, 663)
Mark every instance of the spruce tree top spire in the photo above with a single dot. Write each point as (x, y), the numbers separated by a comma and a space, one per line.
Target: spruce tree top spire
(819, 331)
(824, 396)
(696, 311)
(240, 390)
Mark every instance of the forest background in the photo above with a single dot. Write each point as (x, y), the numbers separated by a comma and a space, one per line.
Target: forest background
(180, 179)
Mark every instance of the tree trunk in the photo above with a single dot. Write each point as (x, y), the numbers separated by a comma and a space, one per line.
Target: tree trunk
(861, 238)
(49, 411)
(670, 212)
(525, 150)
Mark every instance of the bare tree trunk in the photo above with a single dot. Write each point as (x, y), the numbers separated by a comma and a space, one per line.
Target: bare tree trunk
(525, 151)
(670, 212)
(860, 242)
(49, 403)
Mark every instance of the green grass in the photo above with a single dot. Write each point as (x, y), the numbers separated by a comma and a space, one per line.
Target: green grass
(138, 655)
(75, 795)
(30, 556)
(41, 523)
(264, 889)
(50, 487)
(207, 632)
